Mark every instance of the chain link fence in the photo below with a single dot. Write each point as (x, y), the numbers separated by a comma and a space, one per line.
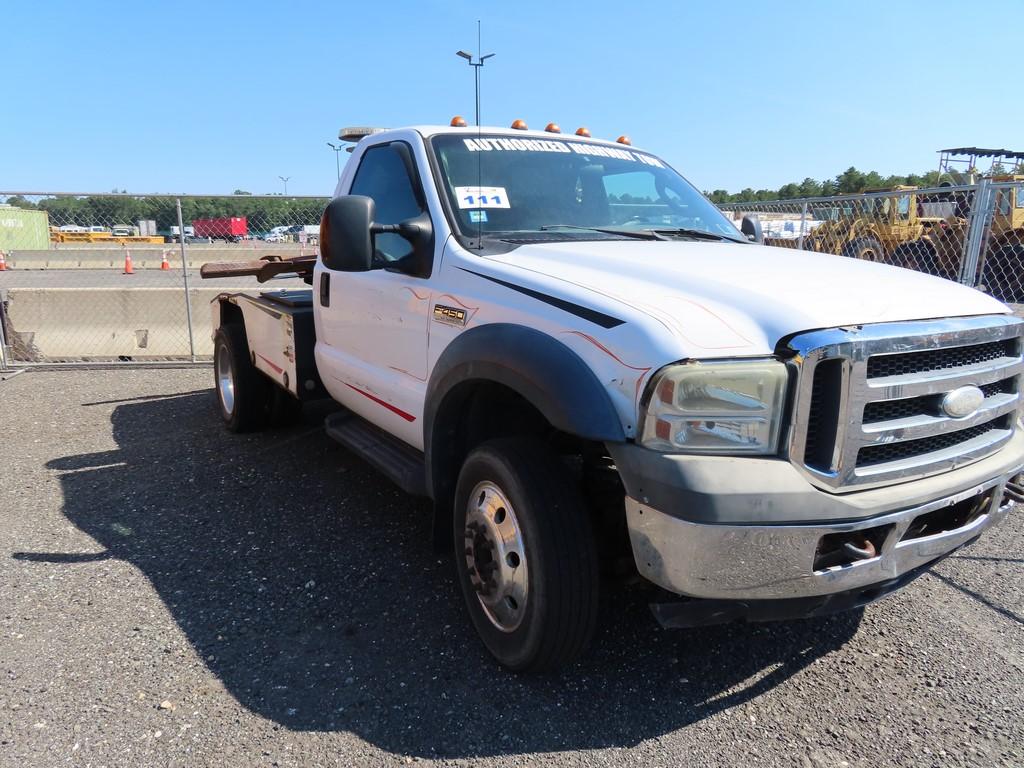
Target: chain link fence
(1001, 268)
(108, 278)
(971, 234)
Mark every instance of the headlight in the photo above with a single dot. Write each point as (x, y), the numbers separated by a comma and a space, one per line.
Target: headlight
(726, 407)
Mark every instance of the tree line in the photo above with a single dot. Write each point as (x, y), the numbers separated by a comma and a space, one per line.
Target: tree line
(849, 181)
(109, 210)
(265, 212)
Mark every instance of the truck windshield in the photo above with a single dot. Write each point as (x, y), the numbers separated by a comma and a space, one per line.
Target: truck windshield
(501, 185)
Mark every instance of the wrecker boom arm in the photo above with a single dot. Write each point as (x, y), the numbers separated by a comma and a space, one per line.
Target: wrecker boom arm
(263, 269)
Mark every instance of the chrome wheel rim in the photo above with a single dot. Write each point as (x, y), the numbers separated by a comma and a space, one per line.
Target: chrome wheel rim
(496, 557)
(225, 380)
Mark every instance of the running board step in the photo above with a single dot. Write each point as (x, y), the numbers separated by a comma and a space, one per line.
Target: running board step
(403, 464)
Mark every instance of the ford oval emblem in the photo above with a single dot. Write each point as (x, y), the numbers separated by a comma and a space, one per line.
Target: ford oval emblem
(962, 402)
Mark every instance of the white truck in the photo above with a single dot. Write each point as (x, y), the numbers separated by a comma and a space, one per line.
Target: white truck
(577, 357)
(190, 233)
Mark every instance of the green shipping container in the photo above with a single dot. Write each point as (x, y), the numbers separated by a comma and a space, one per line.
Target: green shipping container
(22, 229)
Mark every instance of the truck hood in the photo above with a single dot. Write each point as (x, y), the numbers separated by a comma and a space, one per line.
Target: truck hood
(737, 299)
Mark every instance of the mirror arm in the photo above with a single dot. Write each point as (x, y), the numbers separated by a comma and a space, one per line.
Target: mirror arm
(409, 229)
(418, 232)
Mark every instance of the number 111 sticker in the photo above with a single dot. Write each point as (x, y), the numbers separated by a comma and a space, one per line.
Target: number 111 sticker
(482, 197)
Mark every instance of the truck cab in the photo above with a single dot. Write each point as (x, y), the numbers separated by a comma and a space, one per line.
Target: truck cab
(580, 360)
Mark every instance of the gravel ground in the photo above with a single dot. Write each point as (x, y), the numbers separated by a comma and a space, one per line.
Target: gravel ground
(171, 594)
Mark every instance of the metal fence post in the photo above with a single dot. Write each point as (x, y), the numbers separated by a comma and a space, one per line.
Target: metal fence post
(977, 224)
(184, 273)
(3, 338)
(803, 220)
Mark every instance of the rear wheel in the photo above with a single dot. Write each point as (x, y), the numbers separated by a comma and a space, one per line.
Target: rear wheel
(525, 554)
(866, 248)
(243, 394)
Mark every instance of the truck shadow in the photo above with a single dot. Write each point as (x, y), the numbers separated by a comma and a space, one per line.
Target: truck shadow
(308, 586)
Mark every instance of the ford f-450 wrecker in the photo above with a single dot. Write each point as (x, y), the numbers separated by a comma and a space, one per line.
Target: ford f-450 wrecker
(575, 355)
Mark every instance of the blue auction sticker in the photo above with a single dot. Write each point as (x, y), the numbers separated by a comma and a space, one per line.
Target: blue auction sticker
(478, 217)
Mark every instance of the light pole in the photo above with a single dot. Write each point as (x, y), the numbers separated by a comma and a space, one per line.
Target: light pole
(480, 59)
(337, 158)
(285, 180)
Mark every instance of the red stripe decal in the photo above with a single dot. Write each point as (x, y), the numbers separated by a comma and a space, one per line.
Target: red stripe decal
(389, 406)
(277, 368)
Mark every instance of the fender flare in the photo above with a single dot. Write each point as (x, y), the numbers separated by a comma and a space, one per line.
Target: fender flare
(543, 370)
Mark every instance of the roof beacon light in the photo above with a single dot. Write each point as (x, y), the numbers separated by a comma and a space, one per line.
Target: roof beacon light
(624, 140)
(585, 132)
(552, 128)
(520, 125)
(458, 122)
(357, 133)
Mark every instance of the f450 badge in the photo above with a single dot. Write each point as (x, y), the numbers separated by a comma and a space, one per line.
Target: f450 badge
(449, 315)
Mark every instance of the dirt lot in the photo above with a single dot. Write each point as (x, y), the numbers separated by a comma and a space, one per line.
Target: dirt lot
(174, 595)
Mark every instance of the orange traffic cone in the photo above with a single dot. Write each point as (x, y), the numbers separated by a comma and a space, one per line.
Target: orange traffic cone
(128, 270)
(164, 264)
(3, 262)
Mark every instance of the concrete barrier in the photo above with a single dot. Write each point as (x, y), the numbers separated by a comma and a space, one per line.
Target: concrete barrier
(144, 256)
(73, 324)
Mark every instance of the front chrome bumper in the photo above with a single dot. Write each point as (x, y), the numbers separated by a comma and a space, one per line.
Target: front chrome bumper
(764, 561)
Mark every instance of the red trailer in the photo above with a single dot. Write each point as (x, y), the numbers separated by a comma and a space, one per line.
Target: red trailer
(233, 228)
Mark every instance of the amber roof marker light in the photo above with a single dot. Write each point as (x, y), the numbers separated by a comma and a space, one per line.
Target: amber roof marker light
(458, 122)
(584, 132)
(552, 128)
(624, 140)
(520, 125)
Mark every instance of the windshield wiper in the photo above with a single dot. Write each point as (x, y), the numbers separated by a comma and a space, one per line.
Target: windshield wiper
(701, 234)
(638, 234)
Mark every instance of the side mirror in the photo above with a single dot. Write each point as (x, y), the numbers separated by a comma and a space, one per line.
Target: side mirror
(751, 227)
(346, 241)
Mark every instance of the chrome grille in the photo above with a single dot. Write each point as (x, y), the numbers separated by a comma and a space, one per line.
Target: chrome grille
(888, 410)
(867, 410)
(884, 452)
(901, 363)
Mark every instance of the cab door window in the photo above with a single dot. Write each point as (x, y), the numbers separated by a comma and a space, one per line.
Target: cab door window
(382, 175)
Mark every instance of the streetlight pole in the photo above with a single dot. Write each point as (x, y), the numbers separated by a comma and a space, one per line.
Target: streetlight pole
(480, 59)
(285, 180)
(337, 158)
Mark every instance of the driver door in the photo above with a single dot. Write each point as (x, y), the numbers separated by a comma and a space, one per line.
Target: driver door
(374, 325)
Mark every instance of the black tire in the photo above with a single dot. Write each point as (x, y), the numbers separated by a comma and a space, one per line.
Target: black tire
(559, 551)
(904, 255)
(247, 408)
(865, 248)
(913, 255)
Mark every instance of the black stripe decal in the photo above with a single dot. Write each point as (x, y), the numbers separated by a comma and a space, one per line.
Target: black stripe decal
(591, 315)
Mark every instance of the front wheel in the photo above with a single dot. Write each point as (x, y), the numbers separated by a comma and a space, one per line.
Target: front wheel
(525, 554)
(866, 248)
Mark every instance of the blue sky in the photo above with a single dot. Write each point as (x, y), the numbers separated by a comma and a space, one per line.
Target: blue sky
(210, 96)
